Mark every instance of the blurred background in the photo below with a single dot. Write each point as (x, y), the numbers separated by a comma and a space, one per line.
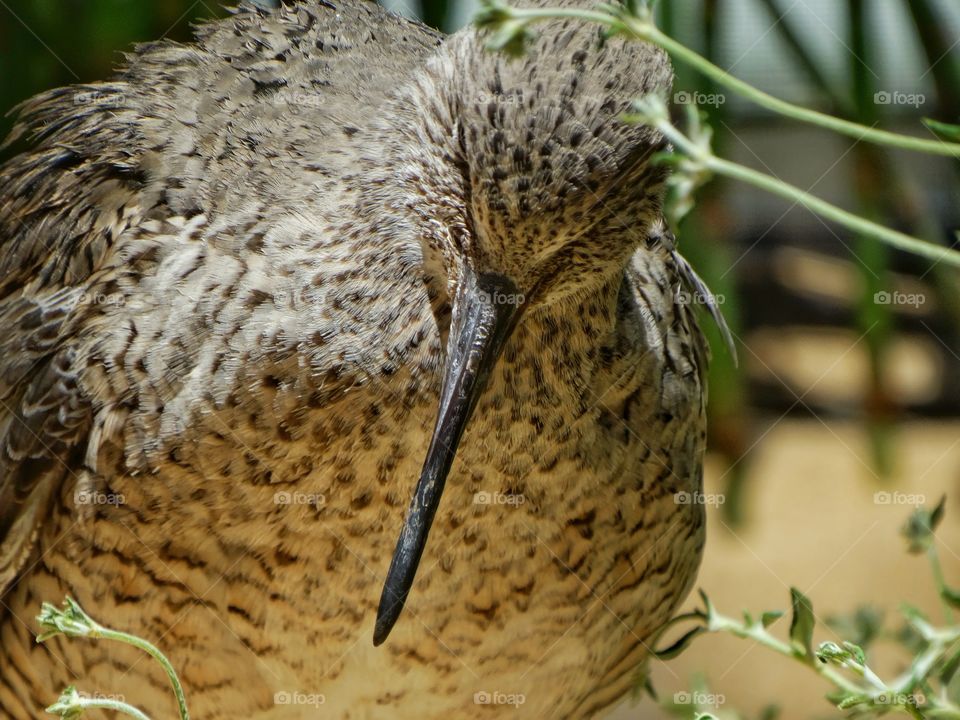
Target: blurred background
(844, 411)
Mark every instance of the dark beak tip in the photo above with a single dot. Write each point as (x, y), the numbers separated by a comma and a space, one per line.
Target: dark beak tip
(392, 601)
(479, 330)
(386, 619)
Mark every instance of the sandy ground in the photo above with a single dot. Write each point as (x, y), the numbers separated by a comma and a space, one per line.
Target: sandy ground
(816, 523)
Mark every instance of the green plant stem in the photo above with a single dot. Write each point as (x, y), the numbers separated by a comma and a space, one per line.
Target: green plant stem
(643, 28)
(899, 688)
(153, 652)
(940, 581)
(759, 634)
(103, 704)
(811, 202)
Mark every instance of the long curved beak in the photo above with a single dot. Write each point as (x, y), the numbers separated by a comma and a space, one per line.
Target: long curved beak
(485, 311)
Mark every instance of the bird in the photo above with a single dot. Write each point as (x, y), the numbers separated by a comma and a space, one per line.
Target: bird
(347, 362)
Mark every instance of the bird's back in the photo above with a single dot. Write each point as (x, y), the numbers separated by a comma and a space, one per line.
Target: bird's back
(257, 114)
(160, 243)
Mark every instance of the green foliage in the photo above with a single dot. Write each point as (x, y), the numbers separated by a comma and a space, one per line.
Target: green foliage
(930, 685)
(944, 130)
(801, 623)
(920, 528)
(73, 622)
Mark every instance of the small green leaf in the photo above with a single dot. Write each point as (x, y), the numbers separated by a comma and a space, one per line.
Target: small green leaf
(936, 514)
(856, 652)
(668, 653)
(69, 620)
(919, 529)
(68, 705)
(747, 618)
(949, 670)
(709, 611)
(944, 130)
(649, 688)
(801, 623)
(950, 596)
(841, 654)
(851, 700)
(831, 652)
(770, 617)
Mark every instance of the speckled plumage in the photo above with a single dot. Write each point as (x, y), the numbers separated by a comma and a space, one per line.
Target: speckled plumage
(225, 288)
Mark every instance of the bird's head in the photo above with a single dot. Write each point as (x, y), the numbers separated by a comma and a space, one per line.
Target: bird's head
(523, 186)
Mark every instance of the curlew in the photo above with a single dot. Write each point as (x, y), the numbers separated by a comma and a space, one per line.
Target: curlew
(259, 291)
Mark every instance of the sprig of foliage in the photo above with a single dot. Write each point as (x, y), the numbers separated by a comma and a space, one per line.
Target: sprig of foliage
(511, 27)
(71, 704)
(73, 622)
(694, 164)
(693, 160)
(929, 687)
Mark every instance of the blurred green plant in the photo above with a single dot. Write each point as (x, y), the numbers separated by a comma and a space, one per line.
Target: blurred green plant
(510, 28)
(693, 159)
(882, 197)
(928, 688)
(73, 622)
